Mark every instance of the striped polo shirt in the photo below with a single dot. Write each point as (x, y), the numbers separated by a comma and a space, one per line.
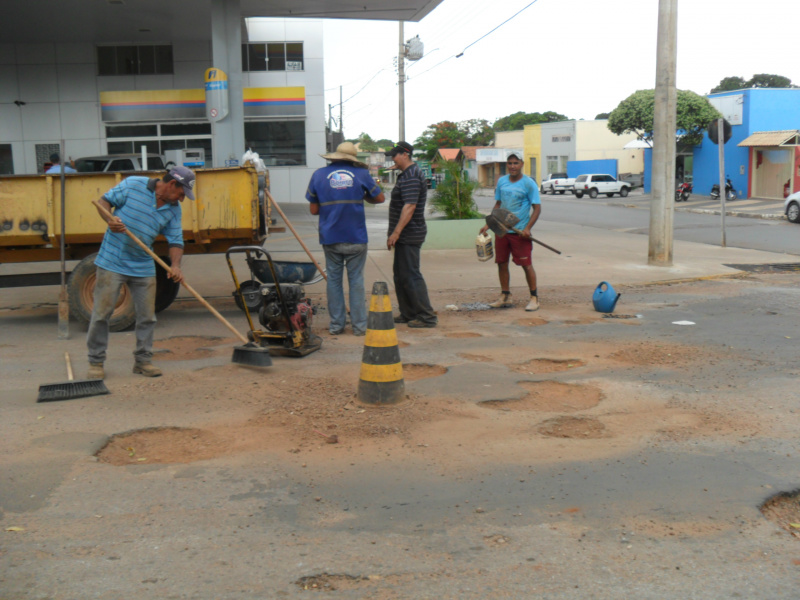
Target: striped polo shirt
(411, 188)
(134, 202)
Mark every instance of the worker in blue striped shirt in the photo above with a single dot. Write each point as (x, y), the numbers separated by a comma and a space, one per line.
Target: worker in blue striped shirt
(146, 207)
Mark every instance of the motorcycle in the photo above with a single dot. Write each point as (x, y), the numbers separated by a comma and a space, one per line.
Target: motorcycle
(683, 192)
(730, 193)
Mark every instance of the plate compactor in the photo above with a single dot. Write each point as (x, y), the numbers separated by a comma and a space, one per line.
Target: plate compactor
(283, 310)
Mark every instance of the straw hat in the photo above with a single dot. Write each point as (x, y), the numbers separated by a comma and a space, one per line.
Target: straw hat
(345, 151)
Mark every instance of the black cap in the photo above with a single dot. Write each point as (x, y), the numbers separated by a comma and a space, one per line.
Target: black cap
(401, 148)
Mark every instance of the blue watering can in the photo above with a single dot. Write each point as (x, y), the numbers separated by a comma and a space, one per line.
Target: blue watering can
(605, 298)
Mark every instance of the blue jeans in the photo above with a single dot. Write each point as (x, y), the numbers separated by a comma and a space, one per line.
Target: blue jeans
(354, 257)
(106, 292)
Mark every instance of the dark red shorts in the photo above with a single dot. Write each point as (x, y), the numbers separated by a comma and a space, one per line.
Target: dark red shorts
(512, 244)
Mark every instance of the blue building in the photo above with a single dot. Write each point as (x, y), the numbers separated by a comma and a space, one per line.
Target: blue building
(763, 154)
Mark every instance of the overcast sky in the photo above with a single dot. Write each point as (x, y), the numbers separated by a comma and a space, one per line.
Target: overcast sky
(575, 57)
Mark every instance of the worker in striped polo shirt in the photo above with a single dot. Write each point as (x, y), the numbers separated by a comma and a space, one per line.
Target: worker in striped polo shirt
(147, 207)
(407, 231)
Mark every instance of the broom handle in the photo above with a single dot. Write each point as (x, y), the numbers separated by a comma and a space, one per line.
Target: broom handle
(289, 225)
(189, 288)
(69, 367)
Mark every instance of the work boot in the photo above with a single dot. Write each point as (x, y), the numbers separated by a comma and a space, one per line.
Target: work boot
(533, 304)
(147, 369)
(401, 319)
(96, 371)
(503, 302)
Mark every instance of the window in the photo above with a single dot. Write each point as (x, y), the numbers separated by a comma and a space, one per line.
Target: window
(128, 139)
(272, 56)
(6, 160)
(562, 138)
(278, 143)
(134, 60)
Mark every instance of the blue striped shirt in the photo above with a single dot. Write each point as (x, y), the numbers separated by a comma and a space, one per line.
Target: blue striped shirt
(134, 201)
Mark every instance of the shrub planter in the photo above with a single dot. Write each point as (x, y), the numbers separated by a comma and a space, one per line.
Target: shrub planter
(446, 234)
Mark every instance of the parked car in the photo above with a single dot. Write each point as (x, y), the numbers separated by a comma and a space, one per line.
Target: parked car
(600, 183)
(557, 182)
(791, 207)
(119, 162)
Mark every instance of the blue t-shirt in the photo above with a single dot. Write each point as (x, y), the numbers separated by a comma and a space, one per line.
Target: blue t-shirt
(518, 197)
(57, 169)
(134, 201)
(339, 190)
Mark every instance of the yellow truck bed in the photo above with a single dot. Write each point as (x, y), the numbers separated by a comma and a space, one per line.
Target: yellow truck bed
(226, 212)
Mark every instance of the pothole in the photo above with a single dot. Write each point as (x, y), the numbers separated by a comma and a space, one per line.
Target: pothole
(547, 365)
(330, 582)
(576, 428)
(550, 396)
(783, 509)
(532, 322)
(496, 541)
(187, 347)
(416, 371)
(160, 445)
(475, 357)
(462, 334)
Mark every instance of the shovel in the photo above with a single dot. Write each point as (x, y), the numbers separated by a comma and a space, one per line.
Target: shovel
(501, 221)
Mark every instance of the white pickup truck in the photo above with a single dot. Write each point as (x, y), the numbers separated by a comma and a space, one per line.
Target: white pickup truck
(557, 182)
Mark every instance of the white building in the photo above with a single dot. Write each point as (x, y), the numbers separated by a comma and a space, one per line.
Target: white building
(111, 77)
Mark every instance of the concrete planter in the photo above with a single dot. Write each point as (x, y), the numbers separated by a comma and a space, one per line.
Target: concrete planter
(449, 235)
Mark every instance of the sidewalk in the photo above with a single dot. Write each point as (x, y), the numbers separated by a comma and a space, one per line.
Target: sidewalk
(754, 208)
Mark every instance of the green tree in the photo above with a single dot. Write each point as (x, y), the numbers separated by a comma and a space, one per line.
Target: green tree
(601, 116)
(635, 115)
(385, 144)
(453, 196)
(366, 143)
(762, 80)
(445, 134)
(729, 84)
(518, 120)
(477, 132)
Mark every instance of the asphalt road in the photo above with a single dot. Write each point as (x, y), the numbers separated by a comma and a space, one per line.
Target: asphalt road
(753, 233)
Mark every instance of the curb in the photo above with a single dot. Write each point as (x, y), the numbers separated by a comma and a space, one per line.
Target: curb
(733, 213)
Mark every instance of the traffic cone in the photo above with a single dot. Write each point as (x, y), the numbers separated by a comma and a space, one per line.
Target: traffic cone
(381, 379)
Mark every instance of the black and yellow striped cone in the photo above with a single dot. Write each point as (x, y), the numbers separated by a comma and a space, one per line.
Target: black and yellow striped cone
(381, 370)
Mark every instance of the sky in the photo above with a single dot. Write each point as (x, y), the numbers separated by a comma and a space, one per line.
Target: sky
(575, 57)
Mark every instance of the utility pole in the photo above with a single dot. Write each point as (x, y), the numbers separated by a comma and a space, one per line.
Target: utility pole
(664, 126)
(401, 57)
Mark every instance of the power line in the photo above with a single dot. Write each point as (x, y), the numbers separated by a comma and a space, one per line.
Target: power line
(496, 28)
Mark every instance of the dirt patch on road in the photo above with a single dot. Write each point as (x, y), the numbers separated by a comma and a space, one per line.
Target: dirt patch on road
(576, 428)
(550, 396)
(188, 347)
(547, 365)
(783, 509)
(156, 445)
(416, 371)
(654, 354)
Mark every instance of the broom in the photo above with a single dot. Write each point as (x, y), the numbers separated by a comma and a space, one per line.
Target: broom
(69, 390)
(250, 354)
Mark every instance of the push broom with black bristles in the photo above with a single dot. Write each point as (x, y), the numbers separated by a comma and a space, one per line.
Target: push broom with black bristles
(251, 354)
(69, 390)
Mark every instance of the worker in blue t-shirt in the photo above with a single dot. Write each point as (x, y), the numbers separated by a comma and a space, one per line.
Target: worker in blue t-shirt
(336, 193)
(56, 167)
(519, 194)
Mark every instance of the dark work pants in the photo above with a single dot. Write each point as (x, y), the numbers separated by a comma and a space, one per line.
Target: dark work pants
(409, 285)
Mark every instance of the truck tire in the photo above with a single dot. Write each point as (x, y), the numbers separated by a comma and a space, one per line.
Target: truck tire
(560, 191)
(624, 192)
(166, 289)
(593, 193)
(793, 212)
(578, 194)
(80, 288)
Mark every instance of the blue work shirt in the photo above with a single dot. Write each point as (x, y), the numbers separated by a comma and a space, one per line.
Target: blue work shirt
(339, 190)
(57, 169)
(134, 202)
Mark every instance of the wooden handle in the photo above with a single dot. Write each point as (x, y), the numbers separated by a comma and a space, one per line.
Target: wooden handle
(69, 367)
(289, 225)
(143, 246)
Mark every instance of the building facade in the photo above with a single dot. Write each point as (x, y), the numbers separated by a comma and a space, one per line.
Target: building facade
(110, 98)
